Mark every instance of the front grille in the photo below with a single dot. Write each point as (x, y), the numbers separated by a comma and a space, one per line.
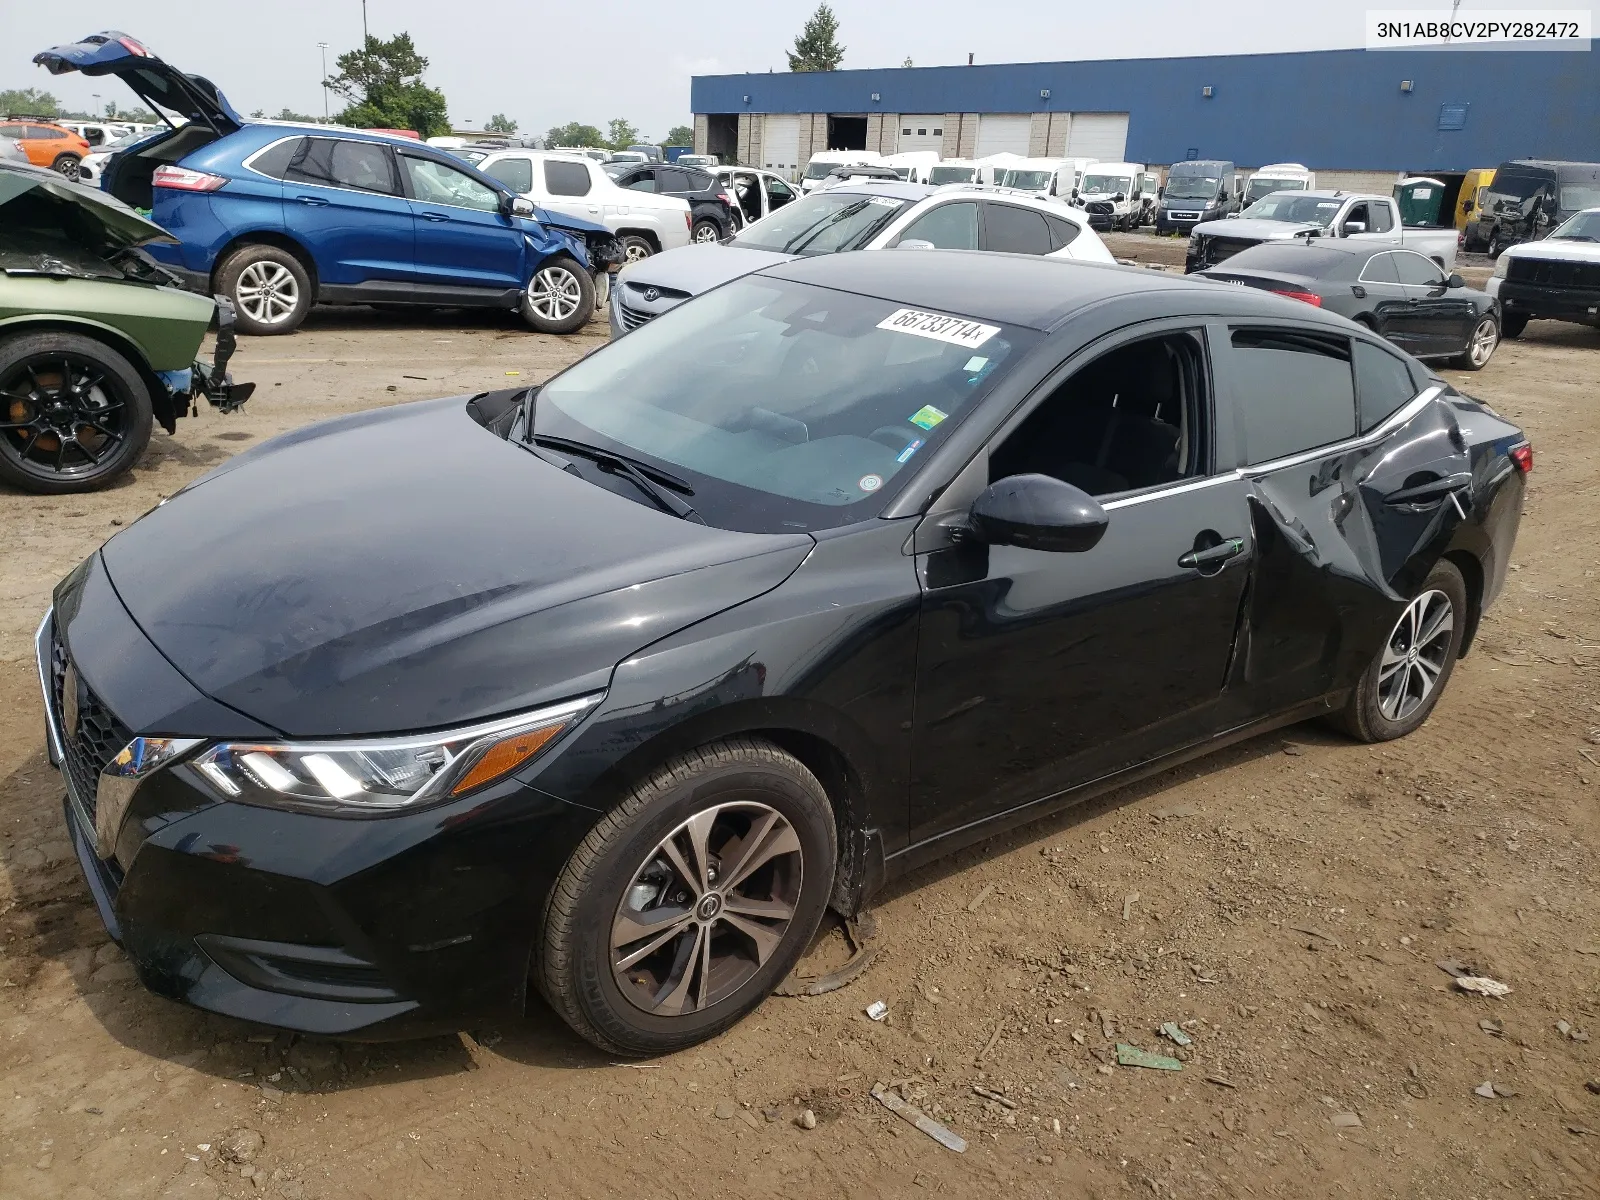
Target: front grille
(1102, 208)
(98, 738)
(1547, 272)
(1213, 250)
(632, 318)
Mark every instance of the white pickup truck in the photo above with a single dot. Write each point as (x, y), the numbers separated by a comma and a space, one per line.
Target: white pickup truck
(1285, 215)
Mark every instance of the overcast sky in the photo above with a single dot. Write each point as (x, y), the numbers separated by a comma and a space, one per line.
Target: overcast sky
(590, 61)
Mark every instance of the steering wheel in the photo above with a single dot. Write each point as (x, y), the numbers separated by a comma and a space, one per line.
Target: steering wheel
(893, 436)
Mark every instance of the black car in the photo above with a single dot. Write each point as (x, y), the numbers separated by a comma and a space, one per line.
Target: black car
(606, 689)
(1528, 197)
(1397, 293)
(708, 198)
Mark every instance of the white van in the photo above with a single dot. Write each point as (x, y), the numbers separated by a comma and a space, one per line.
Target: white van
(953, 170)
(1046, 178)
(913, 166)
(991, 169)
(1109, 195)
(826, 160)
(1278, 177)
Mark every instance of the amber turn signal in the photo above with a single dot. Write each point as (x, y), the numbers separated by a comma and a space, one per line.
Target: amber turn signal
(505, 756)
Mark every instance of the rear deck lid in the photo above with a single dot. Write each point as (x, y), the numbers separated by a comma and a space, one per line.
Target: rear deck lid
(158, 84)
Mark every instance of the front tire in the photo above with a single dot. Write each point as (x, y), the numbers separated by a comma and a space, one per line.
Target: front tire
(74, 413)
(560, 296)
(690, 901)
(1481, 346)
(1513, 325)
(1496, 244)
(269, 287)
(1407, 676)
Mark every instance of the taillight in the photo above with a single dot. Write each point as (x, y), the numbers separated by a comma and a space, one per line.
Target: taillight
(688, 221)
(1310, 298)
(1523, 456)
(182, 179)
(725, 198)
(133, 47)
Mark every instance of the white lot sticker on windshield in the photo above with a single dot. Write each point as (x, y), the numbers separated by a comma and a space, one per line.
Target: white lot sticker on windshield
(958, 331)
(886, 201)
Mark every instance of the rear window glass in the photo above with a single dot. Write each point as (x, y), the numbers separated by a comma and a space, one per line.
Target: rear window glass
(1293, 258)
(274, 160)
(1294, 391)
(566, 178)
(1383, 384)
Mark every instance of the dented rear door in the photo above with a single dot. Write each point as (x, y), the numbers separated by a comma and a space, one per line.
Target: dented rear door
(1350, 504)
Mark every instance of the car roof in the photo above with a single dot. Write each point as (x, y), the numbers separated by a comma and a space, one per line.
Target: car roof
(1014, 289)
(893, 188)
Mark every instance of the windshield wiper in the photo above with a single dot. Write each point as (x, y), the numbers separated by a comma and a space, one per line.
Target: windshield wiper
(637, 473)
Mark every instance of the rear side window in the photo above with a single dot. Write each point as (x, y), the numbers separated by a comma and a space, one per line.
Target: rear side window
(333, 162)
(951, 226)
(515, 173)
(45, 133)
(1383, 384)
(1062, 232)
(674, 181)
(1293, 391)
(1380, 268)
(1012, 230)
(565, 178)
(275, 160)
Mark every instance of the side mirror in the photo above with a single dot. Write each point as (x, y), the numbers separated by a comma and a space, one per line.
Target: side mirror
(1037, 512)
(914, 244)
(1120, 197)
(1233, 216)
(1160, 192)
(1455, 281)
(1074, 193)
(1222, 194)
(1350, 227)
(521, 207)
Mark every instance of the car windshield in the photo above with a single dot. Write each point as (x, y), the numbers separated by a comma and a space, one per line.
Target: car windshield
(1516, 188)
(1102, 185)
(1299, 210)
(819, 170)
(952, 174)
(1260, 187)
(822, 223)
(471, 157)
(1580, 195)
(1585, 227)
(1031, 181)
(1192, 186)
(125, 140)
(787, 407)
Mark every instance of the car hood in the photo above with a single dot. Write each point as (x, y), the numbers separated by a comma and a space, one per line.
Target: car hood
(699, 267)
(407, 569)
(86, 216)
(1547, 249)
(1253, 229)
(156, 83)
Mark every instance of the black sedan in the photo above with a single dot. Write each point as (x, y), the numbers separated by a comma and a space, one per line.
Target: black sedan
(606, 689)
(1397, 293)
(708, 198)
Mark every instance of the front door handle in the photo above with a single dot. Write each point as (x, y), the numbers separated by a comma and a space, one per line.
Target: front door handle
(315, 200)
(432, 216)
(1221, 552)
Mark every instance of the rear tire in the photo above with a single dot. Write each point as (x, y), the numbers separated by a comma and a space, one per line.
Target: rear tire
(1409, 672)
(66, 165)
(706, 231)
(560, 296)
(627, 878)
(1512, 325)
(269, 287)
(71, 399)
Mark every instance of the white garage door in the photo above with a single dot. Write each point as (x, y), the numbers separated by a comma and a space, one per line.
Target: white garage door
(1100, 136)
(780, 145)
(924, 131)
(1003, 133)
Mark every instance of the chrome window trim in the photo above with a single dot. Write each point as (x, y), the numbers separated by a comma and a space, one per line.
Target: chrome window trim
(1176, 489)
(249, 164)
(41, 656)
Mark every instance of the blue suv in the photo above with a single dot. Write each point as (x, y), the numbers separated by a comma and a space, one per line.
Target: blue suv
(278, 216)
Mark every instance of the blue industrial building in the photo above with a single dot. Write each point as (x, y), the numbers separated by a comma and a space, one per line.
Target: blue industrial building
(1336, 110)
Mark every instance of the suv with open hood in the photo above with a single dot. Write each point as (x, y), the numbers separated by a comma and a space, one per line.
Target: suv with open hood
(280, 216)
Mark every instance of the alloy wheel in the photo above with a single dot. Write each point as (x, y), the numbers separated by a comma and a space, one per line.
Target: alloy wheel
(67, 167)
(1484, 339)
(554, 293)
(267, 292)
(60, 413)
(1415, 655)
(636, 251)
(707, 908)
(706, 233)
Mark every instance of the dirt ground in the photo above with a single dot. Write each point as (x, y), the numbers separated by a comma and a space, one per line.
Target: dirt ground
(1285, 902)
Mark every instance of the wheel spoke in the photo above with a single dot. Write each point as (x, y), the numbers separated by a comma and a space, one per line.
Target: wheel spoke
(766, 910)
(686, 870)
(768, 838)
(763, 938)
(1439, 624)
(626, 932)
(678, 998)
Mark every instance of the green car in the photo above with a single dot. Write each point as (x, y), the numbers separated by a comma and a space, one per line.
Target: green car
(96, 341)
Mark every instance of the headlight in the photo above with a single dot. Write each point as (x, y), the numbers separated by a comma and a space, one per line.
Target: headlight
(376, 775)
(1501, 265)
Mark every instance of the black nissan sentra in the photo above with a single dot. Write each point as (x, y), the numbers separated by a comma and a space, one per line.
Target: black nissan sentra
(606, 689)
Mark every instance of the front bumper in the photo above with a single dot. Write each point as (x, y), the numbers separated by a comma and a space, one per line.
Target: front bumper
(369, 928)
(1537, 302)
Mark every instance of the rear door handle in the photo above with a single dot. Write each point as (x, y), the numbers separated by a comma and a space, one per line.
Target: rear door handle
(316, 200)
(1224, 550)
(431, 216)
(1435, 489)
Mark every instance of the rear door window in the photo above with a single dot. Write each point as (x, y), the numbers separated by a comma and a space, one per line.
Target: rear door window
(1008, 229)
(1383, 384)
(952, 226)
(566, 178)
(334, 162)
(1292, 390)
(515, 173)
